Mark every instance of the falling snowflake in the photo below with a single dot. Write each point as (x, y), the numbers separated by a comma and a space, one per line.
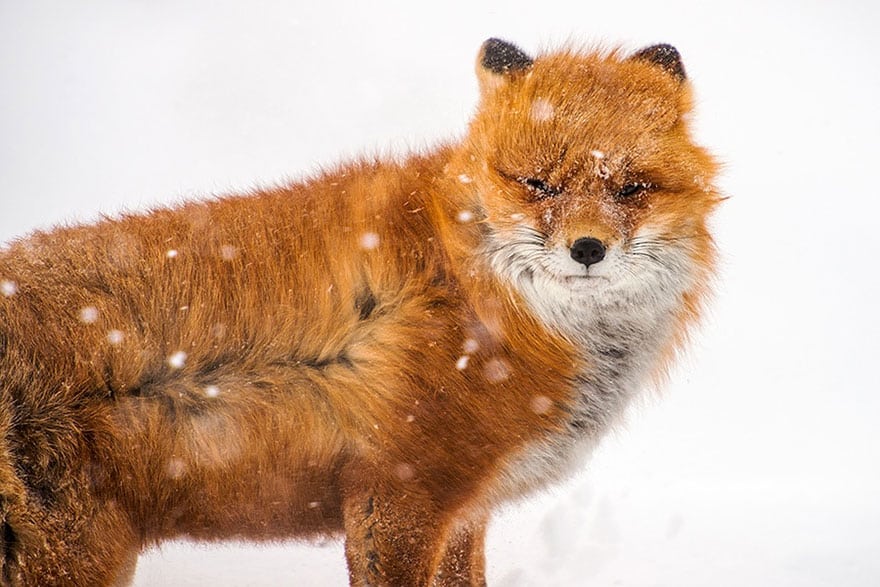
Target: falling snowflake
(465, 178)
(171, 253)
(597, 154)
(497, 370)
(465, 216)
(542, 110)
(369, 241)
(212, 391)
(228, 252)
(177, 360)
(88, 315)
(462, 362)
(541, 404)
(175, 468)
(115, 337)
(470, 346)
(404, 471)
(8, 288)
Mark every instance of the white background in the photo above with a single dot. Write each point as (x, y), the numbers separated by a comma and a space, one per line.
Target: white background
(757, 465)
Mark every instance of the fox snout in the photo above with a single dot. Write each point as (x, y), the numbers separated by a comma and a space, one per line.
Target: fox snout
(587, 251)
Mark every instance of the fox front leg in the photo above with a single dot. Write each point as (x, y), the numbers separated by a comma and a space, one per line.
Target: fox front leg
(392, 538)
(464, 560)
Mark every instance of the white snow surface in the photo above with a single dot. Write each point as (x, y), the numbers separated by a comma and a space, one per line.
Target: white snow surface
(758, 462)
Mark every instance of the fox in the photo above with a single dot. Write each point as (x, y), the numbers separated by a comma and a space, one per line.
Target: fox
(384, 352)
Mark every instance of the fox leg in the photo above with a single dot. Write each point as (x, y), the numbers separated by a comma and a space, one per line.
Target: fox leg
(42, 549)
(464, 561)
(393, 538)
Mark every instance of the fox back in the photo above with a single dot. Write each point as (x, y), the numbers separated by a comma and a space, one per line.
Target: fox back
(386, 351)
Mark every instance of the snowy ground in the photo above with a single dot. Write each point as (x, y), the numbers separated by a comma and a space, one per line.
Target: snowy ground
(759, 463)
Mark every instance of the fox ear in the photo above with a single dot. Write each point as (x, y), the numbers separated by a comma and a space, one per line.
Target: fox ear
(498, 61)
(502, 57)
(664, 56)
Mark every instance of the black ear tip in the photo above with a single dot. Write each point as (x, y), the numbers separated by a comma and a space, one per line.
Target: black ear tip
(666, 56)
(502, 57)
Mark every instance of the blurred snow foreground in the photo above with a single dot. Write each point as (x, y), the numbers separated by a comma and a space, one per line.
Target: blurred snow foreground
(623, 525)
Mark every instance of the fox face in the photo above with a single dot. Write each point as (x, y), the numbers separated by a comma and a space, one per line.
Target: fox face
(592, 194)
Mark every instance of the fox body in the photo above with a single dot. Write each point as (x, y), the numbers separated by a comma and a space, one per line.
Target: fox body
(386, 351)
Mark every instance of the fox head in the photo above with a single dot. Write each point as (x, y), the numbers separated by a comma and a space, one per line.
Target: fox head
(590, 192)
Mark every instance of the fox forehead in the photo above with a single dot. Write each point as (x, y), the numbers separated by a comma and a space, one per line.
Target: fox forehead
(587, 100)
(606, 83)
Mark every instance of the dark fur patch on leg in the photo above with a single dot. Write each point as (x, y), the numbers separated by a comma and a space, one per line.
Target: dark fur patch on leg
(7, 546)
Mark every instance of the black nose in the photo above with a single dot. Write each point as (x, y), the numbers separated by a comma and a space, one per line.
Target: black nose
(587, 251)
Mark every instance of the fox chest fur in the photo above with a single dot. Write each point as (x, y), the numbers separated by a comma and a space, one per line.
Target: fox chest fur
(388, 350)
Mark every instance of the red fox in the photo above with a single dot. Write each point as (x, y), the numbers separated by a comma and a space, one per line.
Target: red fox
(386, 351)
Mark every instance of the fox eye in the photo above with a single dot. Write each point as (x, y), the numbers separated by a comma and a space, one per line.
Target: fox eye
(632, 189)
(540, 187)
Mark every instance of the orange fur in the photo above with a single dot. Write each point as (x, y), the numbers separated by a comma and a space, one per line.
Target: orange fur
(350, 354)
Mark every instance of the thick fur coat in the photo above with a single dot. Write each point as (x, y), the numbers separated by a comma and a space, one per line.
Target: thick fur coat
(386, 351)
